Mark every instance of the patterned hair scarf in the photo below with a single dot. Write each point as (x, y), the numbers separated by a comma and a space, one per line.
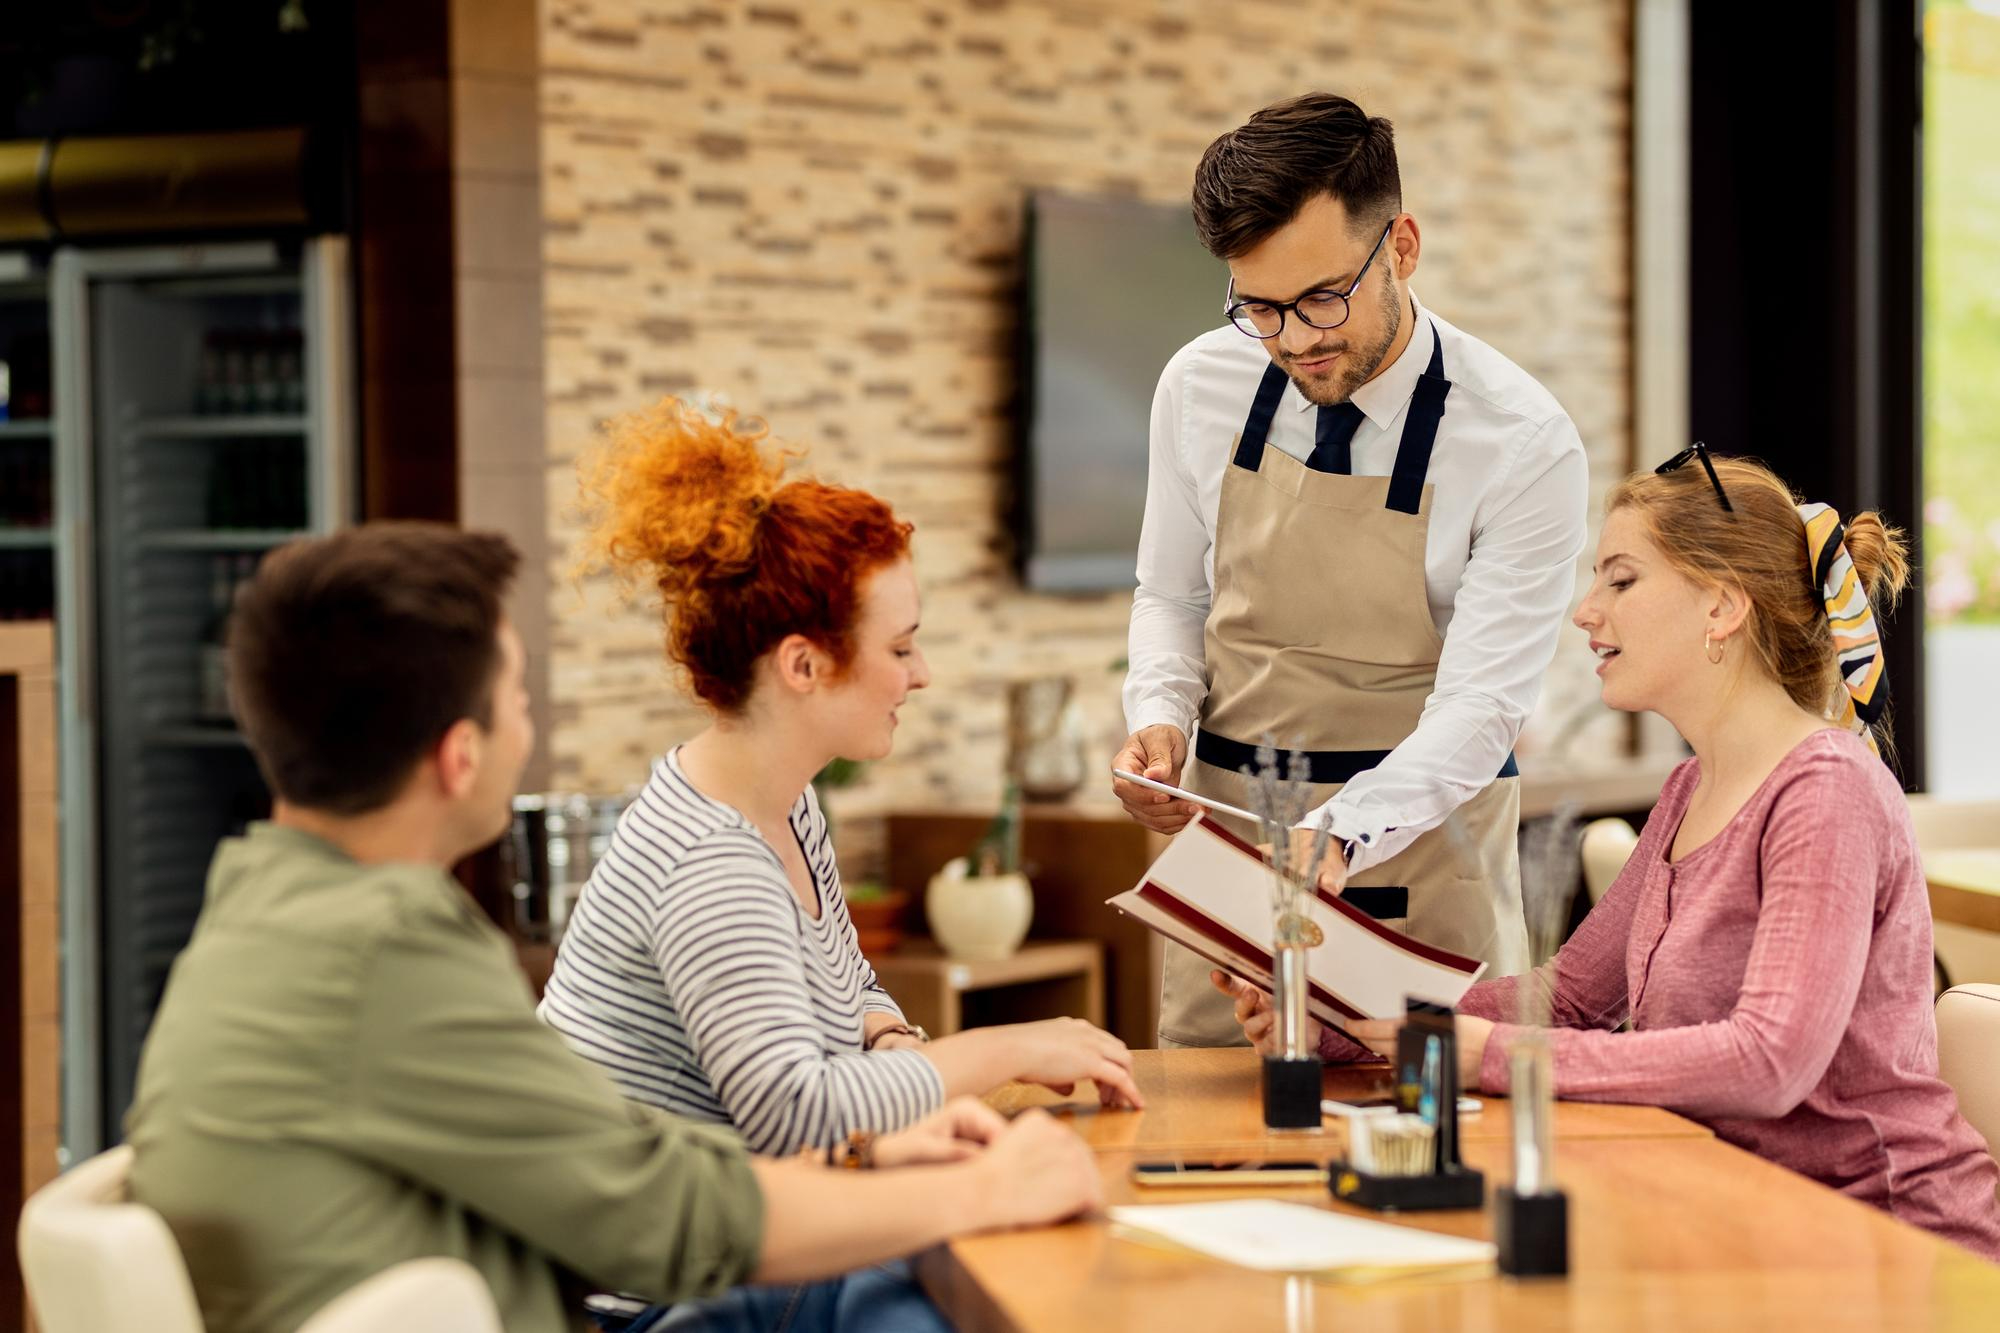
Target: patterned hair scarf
(1855, 638)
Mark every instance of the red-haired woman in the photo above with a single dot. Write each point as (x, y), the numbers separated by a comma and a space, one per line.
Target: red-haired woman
(1770, 937)
(709, 966)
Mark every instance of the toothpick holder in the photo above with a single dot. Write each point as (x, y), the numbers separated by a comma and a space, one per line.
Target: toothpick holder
(1426, 1085)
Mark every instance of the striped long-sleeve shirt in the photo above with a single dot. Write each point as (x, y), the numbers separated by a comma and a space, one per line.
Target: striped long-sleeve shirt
(690, 973)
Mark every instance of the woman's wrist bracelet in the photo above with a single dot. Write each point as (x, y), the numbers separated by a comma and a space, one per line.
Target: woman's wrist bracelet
(891, 1029)
(854, 1153)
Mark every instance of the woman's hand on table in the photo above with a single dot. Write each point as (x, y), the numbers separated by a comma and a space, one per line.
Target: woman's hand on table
(1379, 1036)
(1254, 1012)
(962, 1128)
(1057, 1053)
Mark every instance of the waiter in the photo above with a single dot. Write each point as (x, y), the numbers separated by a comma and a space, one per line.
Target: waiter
(1361, 535)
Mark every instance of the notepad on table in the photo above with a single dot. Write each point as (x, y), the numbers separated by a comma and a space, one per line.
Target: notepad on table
(1277, 1237)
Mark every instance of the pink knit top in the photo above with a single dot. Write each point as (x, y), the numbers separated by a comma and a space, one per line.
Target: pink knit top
(1778, 979)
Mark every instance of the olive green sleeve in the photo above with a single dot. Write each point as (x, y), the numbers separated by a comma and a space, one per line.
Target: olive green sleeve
(457, 1085)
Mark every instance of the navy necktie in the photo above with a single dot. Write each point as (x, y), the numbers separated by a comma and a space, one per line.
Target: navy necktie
(1332, 436)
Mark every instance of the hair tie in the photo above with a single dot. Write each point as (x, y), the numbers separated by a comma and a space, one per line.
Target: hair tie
(1856, 641)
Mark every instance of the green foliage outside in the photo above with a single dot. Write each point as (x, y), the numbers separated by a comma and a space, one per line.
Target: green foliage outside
(1962, 313)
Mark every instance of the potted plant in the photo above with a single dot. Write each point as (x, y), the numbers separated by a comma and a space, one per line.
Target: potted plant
(877, 913)
(980, 905)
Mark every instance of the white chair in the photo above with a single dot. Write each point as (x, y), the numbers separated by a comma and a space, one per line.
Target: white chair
(1607, 846)
(435, 1295)
(1968, 1027)
(94, 1262)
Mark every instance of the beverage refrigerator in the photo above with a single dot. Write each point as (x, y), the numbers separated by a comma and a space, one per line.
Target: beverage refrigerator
(202, 416)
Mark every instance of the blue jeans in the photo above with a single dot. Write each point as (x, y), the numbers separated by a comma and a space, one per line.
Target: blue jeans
(883, 1299)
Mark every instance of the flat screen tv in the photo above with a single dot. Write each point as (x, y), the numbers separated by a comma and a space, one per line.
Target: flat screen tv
(1114, 288)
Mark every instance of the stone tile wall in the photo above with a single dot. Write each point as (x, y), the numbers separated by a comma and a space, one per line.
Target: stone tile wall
(813, 209)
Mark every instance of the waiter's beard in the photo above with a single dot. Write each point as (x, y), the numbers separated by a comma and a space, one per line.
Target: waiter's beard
(1357, 367)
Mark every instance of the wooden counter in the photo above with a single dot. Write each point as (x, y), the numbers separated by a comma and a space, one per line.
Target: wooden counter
(1964, 885)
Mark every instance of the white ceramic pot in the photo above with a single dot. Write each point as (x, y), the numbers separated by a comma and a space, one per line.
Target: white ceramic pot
(978, 916)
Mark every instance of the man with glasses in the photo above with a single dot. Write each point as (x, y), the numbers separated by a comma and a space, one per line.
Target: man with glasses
(1360, 540)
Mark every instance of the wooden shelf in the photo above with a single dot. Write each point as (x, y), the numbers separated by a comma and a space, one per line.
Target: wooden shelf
(1044, 979)
(1077, 856)
(26, 539)
(28, 428)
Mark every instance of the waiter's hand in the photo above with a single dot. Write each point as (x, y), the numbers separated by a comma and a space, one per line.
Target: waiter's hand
(1157, 752)
(1333, 865)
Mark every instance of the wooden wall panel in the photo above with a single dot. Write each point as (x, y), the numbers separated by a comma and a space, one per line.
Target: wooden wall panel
(30, 1003)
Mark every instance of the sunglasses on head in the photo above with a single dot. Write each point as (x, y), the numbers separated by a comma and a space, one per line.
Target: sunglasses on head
(1698, 450)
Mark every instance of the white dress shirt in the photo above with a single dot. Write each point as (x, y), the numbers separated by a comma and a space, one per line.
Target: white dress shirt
(1507, 522)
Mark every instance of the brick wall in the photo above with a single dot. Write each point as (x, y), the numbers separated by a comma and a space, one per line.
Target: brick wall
(813, 208)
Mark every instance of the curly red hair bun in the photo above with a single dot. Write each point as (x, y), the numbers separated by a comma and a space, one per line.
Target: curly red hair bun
(741, 557)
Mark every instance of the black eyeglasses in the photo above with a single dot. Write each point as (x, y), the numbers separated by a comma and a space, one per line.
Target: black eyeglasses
(1321, 309)
(1698, 450)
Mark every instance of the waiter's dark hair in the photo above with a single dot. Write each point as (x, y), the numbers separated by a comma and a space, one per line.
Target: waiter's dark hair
(1256, 178)
(351, 655)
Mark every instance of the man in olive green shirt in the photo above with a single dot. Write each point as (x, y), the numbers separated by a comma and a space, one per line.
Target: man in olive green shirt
(346, 1071)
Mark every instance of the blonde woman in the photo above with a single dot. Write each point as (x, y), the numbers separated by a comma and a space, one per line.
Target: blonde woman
(1770, 938)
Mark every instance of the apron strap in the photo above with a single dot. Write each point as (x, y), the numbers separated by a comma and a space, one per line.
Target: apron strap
(1325, 767)
(1257, 426)
(1420, 429)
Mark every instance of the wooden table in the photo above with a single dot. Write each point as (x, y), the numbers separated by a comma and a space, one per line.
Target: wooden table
(1671, 1229)
(1965, 886)
(1205, 1100)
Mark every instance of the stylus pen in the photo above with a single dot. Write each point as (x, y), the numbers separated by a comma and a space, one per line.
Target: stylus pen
(1170, 790)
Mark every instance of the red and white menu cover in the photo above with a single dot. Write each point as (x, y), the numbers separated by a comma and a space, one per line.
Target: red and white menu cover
(1211, 891)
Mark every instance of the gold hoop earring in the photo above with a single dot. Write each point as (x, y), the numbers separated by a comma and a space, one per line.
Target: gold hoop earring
(1711, 648)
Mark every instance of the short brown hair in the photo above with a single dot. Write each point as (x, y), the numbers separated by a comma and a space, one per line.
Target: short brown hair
(1256, 178)
(351, 655)
(741, 557)
(1759, 545)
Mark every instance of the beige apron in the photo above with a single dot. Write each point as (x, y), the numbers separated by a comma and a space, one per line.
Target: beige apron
(1320, 634)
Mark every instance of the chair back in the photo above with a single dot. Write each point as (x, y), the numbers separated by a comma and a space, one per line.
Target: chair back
(435, 1295)
(1968, 1027)
(1607, 846)
(94, 1262)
